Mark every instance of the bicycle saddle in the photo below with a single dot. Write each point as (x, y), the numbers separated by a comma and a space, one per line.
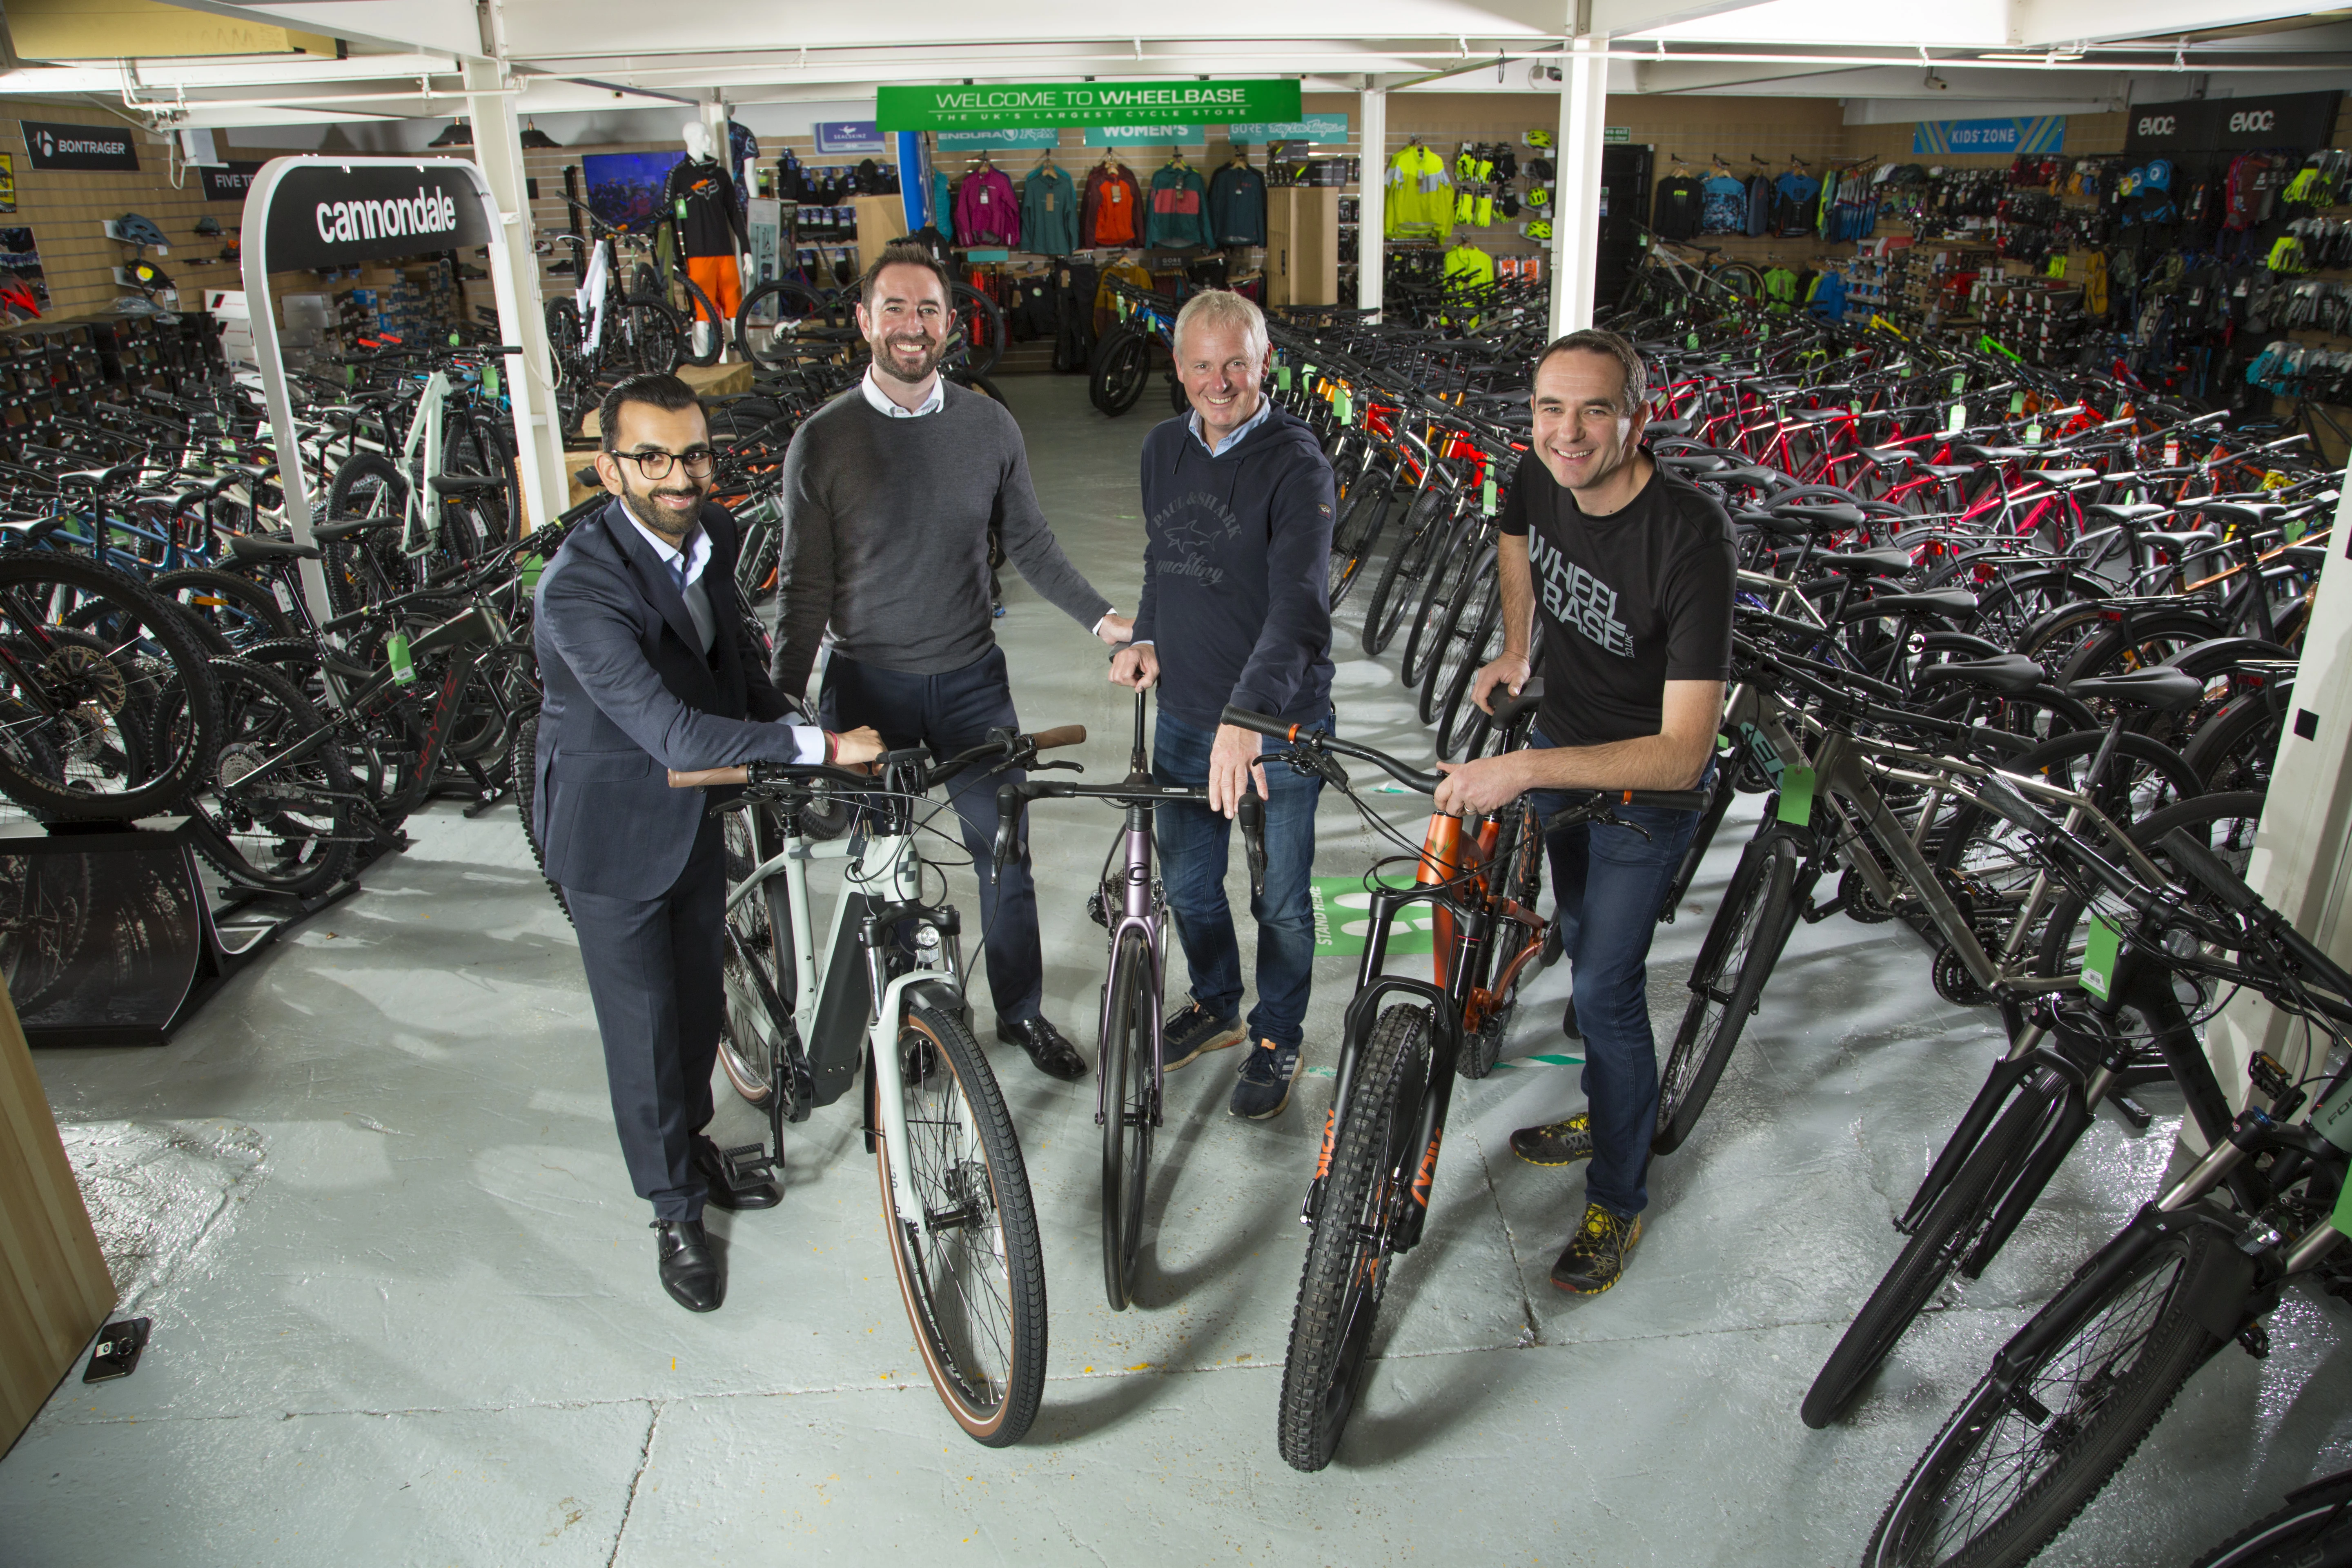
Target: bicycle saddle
(1828, 514)
(342, 528)
(1670, 426)
(1866, 562)
(466, 484)
(1509, 706)
(1763, 478)
(2304, 557)
(2065, 475)
(1786, 527)
(1812, 415)
(2252, 516)
(100, 478)
(2127, 513)
(2008, 675)
(1937, 603)
(1948, 470)
(255, 547)
(1890, 454)
(2196, 541)
(2158, 688)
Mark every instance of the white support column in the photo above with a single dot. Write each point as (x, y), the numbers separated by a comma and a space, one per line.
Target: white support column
(497, 153)
(1576, 197)
(2302, 863)
(1371, 202)
(714, 119)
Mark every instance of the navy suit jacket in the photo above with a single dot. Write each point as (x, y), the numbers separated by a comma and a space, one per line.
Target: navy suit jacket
(629, 693)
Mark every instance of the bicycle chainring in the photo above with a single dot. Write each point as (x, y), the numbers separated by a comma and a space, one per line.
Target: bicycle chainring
(1861, 904)
(1954, 984)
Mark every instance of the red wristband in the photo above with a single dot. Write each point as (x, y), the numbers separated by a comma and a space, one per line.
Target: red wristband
(832, 748)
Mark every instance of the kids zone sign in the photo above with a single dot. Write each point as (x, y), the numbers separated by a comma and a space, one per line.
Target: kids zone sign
(989, 107)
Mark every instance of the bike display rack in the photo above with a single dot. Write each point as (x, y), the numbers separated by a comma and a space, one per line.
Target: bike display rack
(110, 937)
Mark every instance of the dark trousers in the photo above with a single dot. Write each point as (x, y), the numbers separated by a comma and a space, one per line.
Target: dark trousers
(1609, 882)
(951, 713)
(1195, 849)
(653, 975)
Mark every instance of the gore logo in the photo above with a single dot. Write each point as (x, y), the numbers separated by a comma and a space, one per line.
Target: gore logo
(2253, 120)
(2158, 125)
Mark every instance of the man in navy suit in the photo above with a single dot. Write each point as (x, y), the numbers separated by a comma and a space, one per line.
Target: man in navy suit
(647, 665)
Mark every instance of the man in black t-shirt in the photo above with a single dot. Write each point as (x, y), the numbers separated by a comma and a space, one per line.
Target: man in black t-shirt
(1633, 572)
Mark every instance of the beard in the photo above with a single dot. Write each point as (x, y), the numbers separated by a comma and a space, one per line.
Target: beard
(886, 360)
(643, 506)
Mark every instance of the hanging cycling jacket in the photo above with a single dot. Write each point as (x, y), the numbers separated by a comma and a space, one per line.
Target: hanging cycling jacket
(1237, 205)
(1724, 206)
(1178, 215)
(942, 209)
(1049, 213)
(1469, 266)
(1828, 300)
(986, 213)
(1112, 211)
(1796, 199)
(1760, 206)
(1419, 199)
(699, 199)
(1675, 213)
(742, 150)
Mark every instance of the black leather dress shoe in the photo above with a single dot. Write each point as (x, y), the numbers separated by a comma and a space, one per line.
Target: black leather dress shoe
(1055, 1056)
(689, 1268)
(725, 1193)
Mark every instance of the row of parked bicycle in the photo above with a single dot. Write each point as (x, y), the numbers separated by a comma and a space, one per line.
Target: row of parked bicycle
(2015, 652)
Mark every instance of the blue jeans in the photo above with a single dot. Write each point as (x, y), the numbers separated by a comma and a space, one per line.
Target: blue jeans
(1609, 882)
(1195, 848)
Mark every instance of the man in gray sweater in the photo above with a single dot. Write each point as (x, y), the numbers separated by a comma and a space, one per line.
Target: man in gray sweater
(890, 494)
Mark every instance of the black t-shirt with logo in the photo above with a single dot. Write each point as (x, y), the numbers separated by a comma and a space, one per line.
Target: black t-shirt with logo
(1628, 602)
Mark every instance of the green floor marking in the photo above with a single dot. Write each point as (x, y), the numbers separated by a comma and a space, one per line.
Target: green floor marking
(1343, 918)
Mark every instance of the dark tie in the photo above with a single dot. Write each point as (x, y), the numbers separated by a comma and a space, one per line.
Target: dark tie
(678, 571)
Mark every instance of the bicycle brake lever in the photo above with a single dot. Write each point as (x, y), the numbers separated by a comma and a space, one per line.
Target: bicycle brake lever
(1251, 813)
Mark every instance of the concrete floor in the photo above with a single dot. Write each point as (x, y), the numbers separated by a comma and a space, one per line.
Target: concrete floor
(406, 1311)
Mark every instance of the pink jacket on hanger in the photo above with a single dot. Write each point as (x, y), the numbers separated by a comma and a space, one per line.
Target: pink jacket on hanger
(986, 210)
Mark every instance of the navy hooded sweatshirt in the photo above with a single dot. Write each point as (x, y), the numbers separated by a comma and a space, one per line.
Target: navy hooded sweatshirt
(1235, 572)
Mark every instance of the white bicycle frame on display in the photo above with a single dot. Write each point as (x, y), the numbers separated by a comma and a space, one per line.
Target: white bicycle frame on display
(889, 870)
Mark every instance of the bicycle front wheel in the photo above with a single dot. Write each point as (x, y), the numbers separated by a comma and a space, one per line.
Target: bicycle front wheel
(971, 1269)
(2014, 1466)
(1733, 962)
(1928, 1259)
(2314, 1530)
(1129, 1110)
(1347, 1261)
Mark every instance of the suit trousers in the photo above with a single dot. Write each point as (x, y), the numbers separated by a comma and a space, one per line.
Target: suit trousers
(653, 974)
(950, 713)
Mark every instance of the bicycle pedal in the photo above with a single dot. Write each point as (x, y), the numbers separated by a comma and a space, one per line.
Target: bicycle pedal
(2255, 1340)
(747, 1164)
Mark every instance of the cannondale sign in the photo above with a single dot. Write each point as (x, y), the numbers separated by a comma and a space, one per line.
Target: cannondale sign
(327, 216)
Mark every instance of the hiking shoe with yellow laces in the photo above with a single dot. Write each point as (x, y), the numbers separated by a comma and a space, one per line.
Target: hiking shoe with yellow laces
(1554, 1142)
(1595, 1256)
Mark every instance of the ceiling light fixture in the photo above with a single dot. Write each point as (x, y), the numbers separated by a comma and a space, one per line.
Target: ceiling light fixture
(457, 134)
(534, 140)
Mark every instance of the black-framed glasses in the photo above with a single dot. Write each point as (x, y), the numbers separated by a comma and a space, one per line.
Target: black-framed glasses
(656, 464)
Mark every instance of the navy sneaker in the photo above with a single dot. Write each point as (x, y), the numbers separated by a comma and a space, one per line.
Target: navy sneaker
(1264, 1087)
(1193, 1031)
(1554, 1142)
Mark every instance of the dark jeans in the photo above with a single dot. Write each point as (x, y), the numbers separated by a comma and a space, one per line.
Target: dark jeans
(951, 713)
(1195, 848)
(1609, 882)
(653, 974)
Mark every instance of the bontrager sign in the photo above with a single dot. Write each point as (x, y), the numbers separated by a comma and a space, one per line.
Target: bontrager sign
(51, 145)
(1083, 103)
(333, 217)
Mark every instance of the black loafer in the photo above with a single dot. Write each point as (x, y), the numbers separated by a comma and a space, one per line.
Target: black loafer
(1055, 1056)
(689, 1268)
(725, 1193)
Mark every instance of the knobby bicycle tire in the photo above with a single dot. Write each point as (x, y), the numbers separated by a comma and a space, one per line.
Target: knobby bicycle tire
(237, 610)
(1459, 719)
(950, 1098)
(294, 831)
(86, 654)
(2313, 1531)
(1126, 1117)
(1399, 579)
(524, 768)
(1518, 878)
(1456, 560)
(2104, 1385)
(1348, 1258)
(1928, 1257)
(1441, 663)
(1741, 946)
(1122, 367)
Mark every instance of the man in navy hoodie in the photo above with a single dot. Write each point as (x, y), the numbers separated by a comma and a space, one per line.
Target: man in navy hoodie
(1235, 610)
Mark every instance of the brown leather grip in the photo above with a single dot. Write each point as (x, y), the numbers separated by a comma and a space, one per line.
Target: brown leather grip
(704, 778)
(1067, 735)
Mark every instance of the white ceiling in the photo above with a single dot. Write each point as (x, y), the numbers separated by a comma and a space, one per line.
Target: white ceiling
(578, 58)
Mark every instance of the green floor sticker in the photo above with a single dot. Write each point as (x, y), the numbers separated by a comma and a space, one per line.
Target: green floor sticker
(1343, 918)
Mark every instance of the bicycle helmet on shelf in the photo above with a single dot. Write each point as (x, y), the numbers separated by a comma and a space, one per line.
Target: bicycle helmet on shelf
(209, 225)
(132, 229)
(1540, 229)
(2156, 176)
(1540, 197)
(1538, 138)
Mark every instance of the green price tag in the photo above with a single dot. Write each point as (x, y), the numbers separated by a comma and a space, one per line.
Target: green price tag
(2342, 1218)
(2017, 401)
(1959, 381)
(1959, 420)
(1487, 497)
(1797, 795)
(1308, 371)
(681, 209)
(395, 653)
(2033, 434)
(1691, 342)
(532, 566)
(2292, 528)
(489, 380)
(1282, 377)
(1343, 405)
(2099, 957)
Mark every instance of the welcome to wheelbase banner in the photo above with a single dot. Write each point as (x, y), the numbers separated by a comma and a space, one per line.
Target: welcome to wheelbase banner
(989, 107)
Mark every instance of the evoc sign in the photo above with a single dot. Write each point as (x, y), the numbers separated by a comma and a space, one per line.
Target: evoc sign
(2295, 122)
(330, 216)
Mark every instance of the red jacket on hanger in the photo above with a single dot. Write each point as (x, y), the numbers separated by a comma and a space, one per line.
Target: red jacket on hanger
(986, 210)
(1112, 211)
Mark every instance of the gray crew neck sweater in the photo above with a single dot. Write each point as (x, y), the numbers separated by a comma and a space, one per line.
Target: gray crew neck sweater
(886, 537)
